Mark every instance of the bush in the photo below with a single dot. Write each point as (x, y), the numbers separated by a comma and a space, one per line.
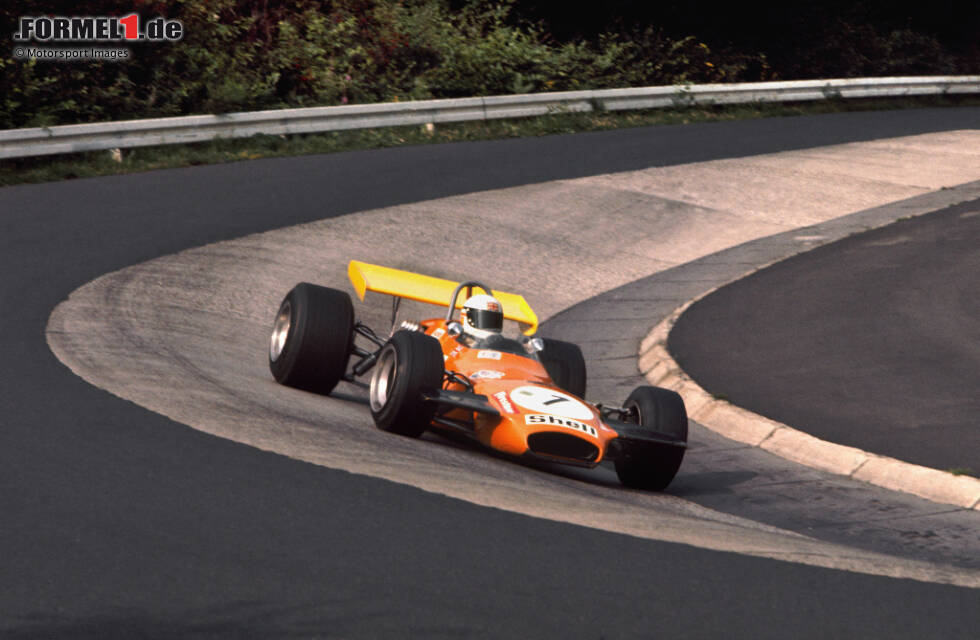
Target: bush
(239, 55)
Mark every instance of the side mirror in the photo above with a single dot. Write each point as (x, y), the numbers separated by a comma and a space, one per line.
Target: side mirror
(533, 345)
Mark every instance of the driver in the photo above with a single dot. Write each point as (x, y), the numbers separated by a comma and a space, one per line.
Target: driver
(483, 317)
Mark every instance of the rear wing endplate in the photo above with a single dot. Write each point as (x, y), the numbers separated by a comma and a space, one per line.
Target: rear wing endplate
(405, 284)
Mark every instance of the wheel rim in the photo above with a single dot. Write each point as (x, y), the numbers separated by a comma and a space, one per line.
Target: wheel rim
(280, 330)
(634, 410)
(383, 378)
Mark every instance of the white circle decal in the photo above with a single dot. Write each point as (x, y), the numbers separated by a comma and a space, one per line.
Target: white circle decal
(550, 401)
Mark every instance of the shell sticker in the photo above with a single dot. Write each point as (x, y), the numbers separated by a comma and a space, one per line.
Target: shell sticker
(568, 423)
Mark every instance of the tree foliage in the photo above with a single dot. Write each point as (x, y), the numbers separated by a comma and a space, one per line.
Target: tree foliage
(239, 55)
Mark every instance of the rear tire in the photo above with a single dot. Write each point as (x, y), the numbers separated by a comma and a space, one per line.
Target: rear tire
(653, 466)
(409, 364)
(311, 338)
(565, 364)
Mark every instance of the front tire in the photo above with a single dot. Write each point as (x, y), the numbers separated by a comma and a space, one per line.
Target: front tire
(311, 338)
(653, 466)
(409, 364)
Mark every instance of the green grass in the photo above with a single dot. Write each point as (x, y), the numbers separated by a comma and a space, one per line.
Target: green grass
(85, 165)
(962, 471)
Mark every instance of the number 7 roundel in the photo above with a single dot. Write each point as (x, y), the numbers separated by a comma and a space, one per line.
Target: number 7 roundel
(551, 401)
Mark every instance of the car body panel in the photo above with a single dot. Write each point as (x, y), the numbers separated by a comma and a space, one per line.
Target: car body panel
(527, 402)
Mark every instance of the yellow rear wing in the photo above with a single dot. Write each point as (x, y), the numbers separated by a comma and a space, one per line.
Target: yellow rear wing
(405, 284)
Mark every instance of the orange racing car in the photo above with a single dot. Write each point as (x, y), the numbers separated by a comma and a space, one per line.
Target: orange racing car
(521, 396)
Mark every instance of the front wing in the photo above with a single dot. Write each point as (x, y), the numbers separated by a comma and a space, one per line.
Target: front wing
(635, 441)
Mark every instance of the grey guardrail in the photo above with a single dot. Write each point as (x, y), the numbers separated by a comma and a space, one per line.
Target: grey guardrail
(18, 143)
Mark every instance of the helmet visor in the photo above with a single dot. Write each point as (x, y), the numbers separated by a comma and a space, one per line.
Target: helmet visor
(485, 319)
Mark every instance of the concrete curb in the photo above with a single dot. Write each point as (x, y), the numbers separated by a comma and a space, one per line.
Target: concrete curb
(660, 369)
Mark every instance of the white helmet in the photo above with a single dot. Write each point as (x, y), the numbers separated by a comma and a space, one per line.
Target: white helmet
(482, 316)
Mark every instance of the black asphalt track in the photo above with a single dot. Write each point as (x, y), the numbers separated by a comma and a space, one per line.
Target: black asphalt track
(871, 341)
(117, 522)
